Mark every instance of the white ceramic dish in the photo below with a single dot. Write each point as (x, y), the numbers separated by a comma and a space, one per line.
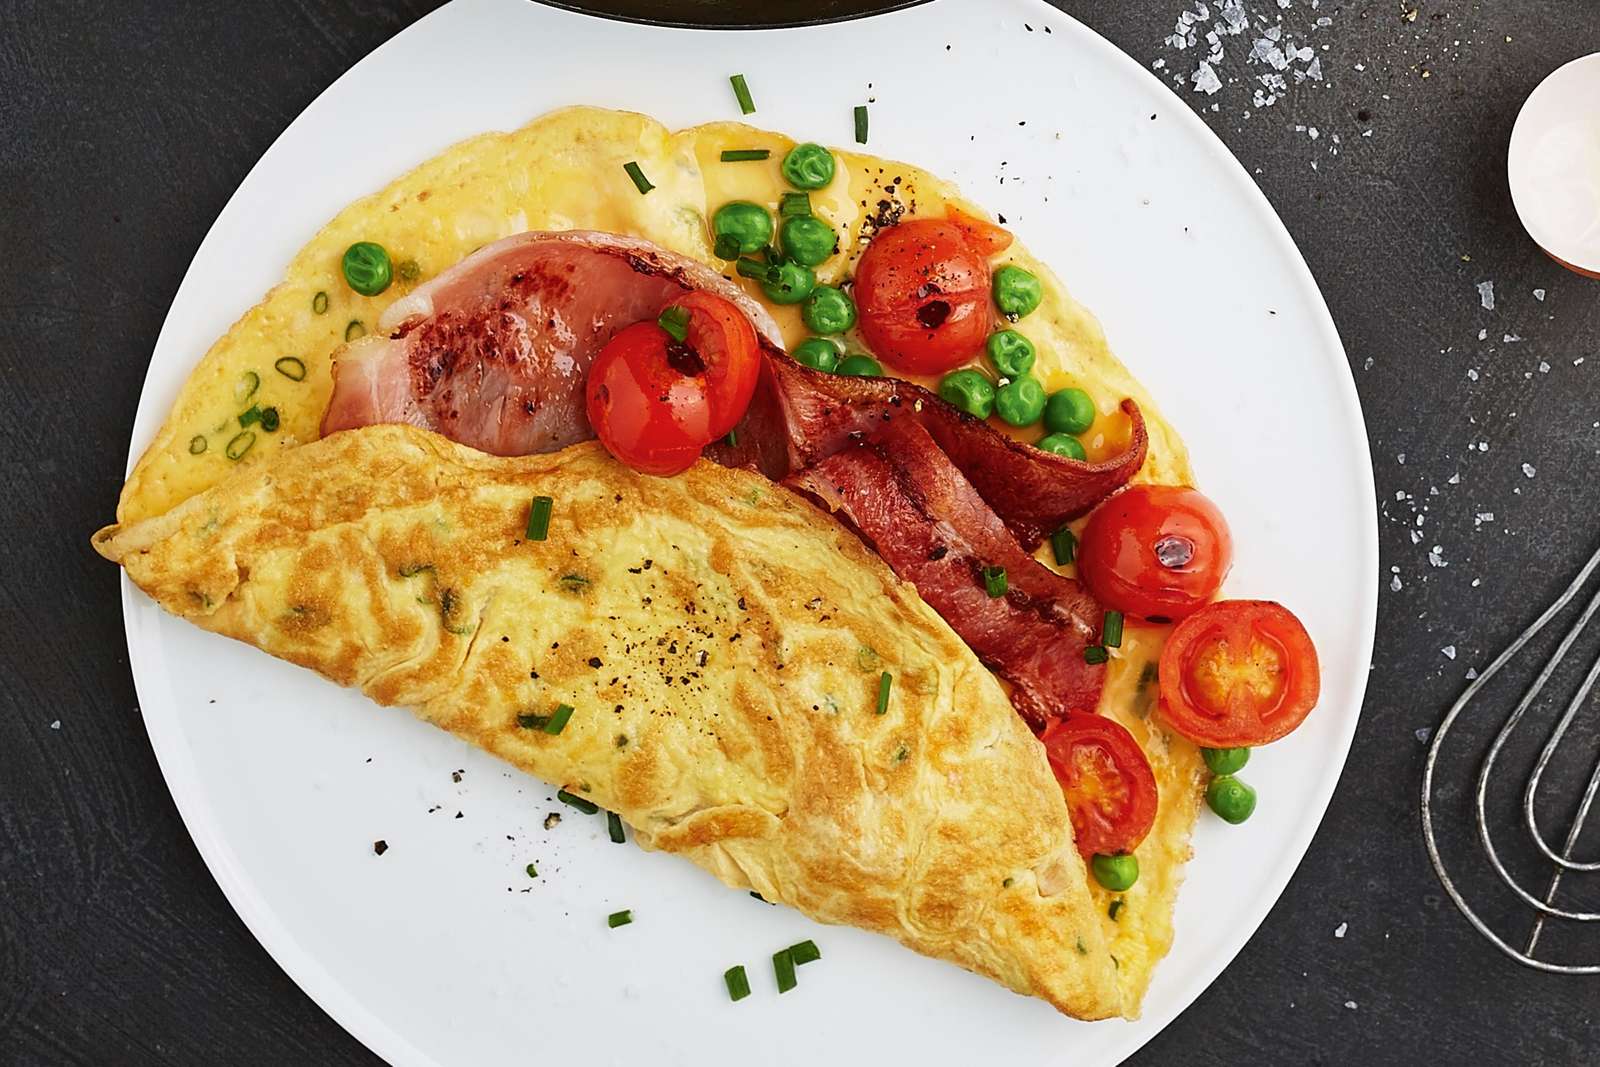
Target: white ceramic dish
(443, 951)
(1553, 165)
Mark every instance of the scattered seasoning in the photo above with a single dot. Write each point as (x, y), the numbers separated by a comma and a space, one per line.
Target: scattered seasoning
(241, 443)
(619, 918)
(572, 583)
(585, 806)
(1111, 630)
(319, 303)
(197, 444)
(745, 155)
(741, 92)
(291, 368)
(738, 983)
(994, 581)
(640, 182)
(675, 320)
(861, 124)
(794, 205)
(533, 872)
(1094, 654)
(1116, 906)
(885, 680)
(354, 329)
(380, 847)
(552, 820)
(539, 518)
(614, 828)
(804, 952)
(783, 969)
(1083, 950)
(1064, 543)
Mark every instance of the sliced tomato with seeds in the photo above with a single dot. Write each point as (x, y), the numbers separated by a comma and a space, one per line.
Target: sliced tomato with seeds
(1106, 777)
(1239, 673)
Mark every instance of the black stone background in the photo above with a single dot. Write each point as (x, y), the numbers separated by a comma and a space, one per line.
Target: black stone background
(125, 127)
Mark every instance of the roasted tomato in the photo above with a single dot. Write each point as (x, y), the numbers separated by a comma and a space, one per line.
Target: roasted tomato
(923, 295)
(726, 343)
(1239, 673)
(1110, 789)
(647, 400)
(985, 237)
(1156, 551)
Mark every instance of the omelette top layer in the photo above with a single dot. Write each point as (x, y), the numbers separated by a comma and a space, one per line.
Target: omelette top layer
(566, 171)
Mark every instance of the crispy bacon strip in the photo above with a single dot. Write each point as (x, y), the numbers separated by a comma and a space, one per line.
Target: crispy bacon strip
(930, 525)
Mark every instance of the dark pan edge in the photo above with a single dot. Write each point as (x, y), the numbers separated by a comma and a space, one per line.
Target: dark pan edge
(585, 9)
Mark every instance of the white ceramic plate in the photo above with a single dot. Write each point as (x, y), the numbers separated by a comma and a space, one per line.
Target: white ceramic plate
(443, 951)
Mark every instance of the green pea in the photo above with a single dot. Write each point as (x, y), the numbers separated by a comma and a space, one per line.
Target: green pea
(366, 268)
(1016, 291)
(740, 228)
(1062, 444)
(1069, 411)
(1011, 353)
(817, 352)
(794, 283)
(1020, 402)
(860, 365)
(1225, 760)
(1116, 873)
(828, 310)
(970, 391)
(808, 166)
(1231, 798)
(808, 240)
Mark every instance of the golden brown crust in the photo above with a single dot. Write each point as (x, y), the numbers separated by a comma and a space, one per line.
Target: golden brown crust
(721, 643)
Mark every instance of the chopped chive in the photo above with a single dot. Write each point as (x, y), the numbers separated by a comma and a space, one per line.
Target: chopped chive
(783, 968)
(741, 91)
(750, 267)
(585, 806)
(745, 155)
(1095, 654)
(533, 872)
(1116, 906)
(614, 828)
(1064, 543)
(355, 329)
(861, 124)
(794, 205)
(738, 983)
(761, 898)
(291, 368)
(619, 918)
(727, 247)
(269, 419)
(319, 303)
(197, 444)
(558, 719)
(533, 722)
(250, 415)
(805, 952)
(675, 320)
(240, 444)
(994, 581)
(407, 270)
(640, 182)
(539, 518)
(885, 680)
(1111, 631)
(732, 438)
(246, 386)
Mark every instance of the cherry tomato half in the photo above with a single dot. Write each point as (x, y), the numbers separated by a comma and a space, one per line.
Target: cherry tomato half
(985, 237)
(923, 295)
(1155, 551)
(1239, 673)
(1109, 786)
(726, 343)
(647, 402)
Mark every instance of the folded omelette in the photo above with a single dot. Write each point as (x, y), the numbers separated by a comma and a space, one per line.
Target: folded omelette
(720, 640)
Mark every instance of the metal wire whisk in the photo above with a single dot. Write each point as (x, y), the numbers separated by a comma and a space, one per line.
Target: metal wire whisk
(1561, 859)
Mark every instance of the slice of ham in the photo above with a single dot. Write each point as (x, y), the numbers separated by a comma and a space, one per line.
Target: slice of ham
(493, 352)
(930, 525)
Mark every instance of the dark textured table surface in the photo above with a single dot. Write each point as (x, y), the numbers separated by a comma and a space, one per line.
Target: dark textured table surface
(125, 131)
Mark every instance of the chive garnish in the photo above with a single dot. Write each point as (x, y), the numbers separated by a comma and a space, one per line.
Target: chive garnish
(861, 124)
(407, 270)
(291, 368)
(269, 419)
(885, 680)
(558, 719)
(794, 205)
(1116, 906)
(585, 806)
(727, 247)
(675, 320)
(197, 444)
(619, 918)
(533, 872)
(319, 303)
(250, 415)
(805, 952)
(241, 443)
(1064, 543)
(750, 267)
(745, 155)
(741, 91)
(246, 386)
(354, 329)
(1095, 654)
(783, 968)
(737, 982)
(640, 182)
(539, 518)
(733, 438)
(994, 581)
(614, 828)
(1111, 631)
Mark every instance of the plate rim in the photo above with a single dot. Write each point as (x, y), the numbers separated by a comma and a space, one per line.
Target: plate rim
(173, 755)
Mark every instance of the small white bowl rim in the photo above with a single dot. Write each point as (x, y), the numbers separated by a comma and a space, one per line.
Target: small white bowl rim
(1569, 79)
